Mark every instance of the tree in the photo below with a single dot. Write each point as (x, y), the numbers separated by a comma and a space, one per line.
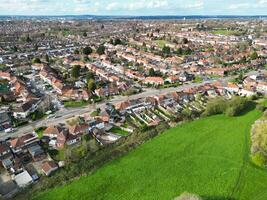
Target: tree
(28, 39)
(36, 47)
(254, 55)
(76, 51)
(236, 106)
(90, 75)
(47, 58)
(166, 50)
(84, 34)
(75, 72)
(179, 51)
(101, 50)
(215, 106)
(91, 85)
(36, 60)
(15, 48)
(187, 51)
(87, 50)
(185, 41)
(243, 60)
(117, 41)
(151, 72)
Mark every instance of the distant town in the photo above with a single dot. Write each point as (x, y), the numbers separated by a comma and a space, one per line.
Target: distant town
(73, 89)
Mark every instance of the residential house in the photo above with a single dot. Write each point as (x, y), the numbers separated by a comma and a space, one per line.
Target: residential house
(20, 144)
(26, 109)
(49, 167)
(154, 80)
(53, 131)
(79, 129)
(36, 152)
(23, 179)
(5, 121)
(5, 152)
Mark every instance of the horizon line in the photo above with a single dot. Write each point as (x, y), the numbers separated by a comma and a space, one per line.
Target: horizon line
(111, 15)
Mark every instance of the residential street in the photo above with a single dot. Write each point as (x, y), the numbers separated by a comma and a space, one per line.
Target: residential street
(67, 113)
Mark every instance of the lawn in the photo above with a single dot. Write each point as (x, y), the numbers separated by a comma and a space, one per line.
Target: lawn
(57, 154)
(40, 131)
(226, 32)
(209, 157)
(161, 43)
(72, 104)
(119, 131)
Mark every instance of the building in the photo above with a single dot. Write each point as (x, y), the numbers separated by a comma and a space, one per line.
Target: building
(23, 179)
(26, 109)
(5, 152)
(5, 121)
(154, 80)
(20, 144)
(48, 167)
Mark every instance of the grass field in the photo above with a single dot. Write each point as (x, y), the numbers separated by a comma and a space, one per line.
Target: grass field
(161, 43)
(209, 157)
(226, 32)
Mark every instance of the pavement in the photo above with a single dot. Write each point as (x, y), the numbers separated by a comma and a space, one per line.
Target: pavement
(67, 113)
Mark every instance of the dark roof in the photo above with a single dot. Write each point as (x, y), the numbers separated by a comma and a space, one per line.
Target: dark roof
(27, 106)
(4, 147)
(35, 150)
(4, 117)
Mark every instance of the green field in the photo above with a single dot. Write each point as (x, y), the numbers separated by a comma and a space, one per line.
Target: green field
(226, 32)
(161, 43)
(209, 157)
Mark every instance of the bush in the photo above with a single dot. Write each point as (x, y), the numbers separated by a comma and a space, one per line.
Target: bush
(261, 108)
(36, 60)
(87, 50)
(259, 159)
(215, 106)
(236, 106)
(254, 97)
(233, 107)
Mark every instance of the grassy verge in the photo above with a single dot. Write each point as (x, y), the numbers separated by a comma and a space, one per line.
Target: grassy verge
(72, 104)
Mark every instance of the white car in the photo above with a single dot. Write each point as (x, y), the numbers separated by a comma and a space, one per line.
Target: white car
(9, 130)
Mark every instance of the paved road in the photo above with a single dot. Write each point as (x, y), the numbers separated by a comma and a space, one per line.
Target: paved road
(67, 113)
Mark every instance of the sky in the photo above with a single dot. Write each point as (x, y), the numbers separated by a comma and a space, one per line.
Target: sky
(133, 7)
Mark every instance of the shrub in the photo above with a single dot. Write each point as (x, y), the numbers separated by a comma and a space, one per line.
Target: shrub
(233, 107)
(254, 97)
(236, 106)
(261, 108)
(259, 159)
(215, 106)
